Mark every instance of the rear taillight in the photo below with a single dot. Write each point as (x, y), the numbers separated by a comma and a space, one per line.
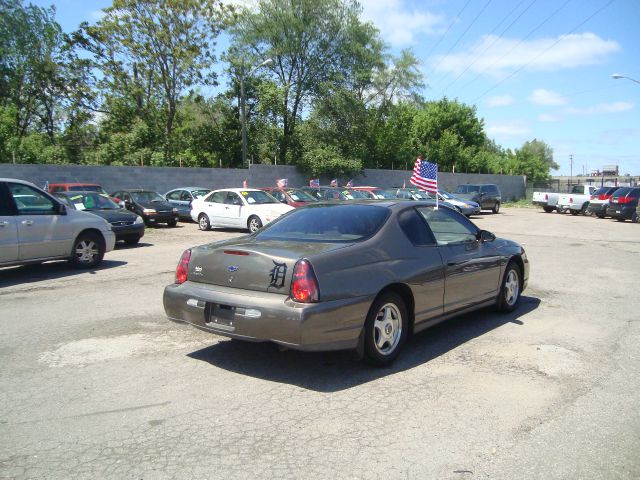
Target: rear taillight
(625, 199)
(602, 197)
(182, 270)
(546, 197)
(304, 286)
(570, 199)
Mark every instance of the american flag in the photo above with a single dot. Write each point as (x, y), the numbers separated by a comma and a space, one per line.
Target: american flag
(314, 182)
(425, 176)
(334, 183)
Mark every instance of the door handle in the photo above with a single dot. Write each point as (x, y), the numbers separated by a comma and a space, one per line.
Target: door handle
(27, 222)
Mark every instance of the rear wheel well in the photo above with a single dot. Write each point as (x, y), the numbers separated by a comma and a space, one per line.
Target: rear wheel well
(406, 294)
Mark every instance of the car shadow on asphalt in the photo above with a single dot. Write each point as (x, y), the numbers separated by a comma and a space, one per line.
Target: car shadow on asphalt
(335, 371)
(126, 246)
(12, 276)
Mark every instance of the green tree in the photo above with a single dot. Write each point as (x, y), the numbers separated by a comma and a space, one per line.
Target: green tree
(449, 133)
(312, 43)
(541, 151)
(151, 52)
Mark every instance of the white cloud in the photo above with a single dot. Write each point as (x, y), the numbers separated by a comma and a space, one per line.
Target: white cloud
(400, 25)
(500, 101)
(509, 129)
(505, 54)
(615, 107)
(541, 96)
(545, 117)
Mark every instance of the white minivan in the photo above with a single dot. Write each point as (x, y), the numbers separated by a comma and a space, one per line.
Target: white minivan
(35, 228)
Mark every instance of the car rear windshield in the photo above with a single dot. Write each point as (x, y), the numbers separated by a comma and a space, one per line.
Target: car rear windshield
(622, 192)
(86, 188)
(327, 223)
(147, 197)
(301, 196)
(199, 193)
(468, 188)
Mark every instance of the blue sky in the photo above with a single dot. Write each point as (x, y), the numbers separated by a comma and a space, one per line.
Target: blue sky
(533, 68)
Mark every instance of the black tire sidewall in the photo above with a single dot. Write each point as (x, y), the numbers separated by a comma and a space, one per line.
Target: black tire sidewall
(371, 354)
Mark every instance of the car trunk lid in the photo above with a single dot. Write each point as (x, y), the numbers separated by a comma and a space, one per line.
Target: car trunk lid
(264, 267)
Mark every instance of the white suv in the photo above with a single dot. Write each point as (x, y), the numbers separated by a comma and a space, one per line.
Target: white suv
(35, 227)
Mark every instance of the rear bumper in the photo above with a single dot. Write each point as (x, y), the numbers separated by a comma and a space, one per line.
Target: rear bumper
(598, 208)
(262, 317)
(620, 211)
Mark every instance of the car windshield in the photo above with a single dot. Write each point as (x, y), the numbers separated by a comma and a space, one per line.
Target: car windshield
(326, 223)
(257, 197)
(87, 188)
(380, 193)
(357, 194)
(147, 197)
(199, 193)
(420, 195)
(467, 189)
(92, 201)
(301, 196)
(446, 195)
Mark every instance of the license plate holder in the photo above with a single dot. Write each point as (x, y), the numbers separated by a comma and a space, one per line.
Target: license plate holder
(218, 315)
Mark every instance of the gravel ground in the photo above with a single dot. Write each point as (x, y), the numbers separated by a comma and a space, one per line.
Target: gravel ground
(96, 383)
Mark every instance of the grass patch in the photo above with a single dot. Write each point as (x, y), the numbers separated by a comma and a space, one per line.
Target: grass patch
(523, 203)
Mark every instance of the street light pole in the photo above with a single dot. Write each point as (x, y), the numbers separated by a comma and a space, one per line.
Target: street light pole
(243, 112)
(616, 76)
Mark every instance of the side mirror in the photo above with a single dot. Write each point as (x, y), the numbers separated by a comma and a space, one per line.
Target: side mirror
(485, 236)
(61, 209)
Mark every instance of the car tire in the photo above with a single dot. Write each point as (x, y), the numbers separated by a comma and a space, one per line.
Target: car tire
(510, 288)
(88, 250)
(574, 212)
(132, 241)
(585, 208)
(385, 330)
(548, 209)
(203, 222)
(254, 224)
(620, 219)
(600, 215)
(634, 217)
(172, 224)
(496, 208)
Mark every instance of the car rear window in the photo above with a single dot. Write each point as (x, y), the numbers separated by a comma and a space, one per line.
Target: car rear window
(622, 192)
(327, 223)
(468, 188)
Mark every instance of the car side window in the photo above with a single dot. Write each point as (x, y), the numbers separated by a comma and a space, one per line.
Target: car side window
(218, 197)
(448, 227)
(185, 196)
(6, 204)
(175, 195)
(233, 199)
(279, 195)
(30, 201)
(415, 228)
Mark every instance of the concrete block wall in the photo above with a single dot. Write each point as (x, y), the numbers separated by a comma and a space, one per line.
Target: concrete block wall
(163, 179)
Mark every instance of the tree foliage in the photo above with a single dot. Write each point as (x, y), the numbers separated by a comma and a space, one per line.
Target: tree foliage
(135, 88)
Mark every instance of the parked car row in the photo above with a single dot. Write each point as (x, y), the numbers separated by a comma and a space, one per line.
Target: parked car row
(620, 203)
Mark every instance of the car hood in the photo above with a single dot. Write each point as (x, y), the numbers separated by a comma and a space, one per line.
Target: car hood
(158, 206)
(249, 264)
(111, 216)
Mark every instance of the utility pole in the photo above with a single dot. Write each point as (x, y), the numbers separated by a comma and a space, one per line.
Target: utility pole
(570, 169)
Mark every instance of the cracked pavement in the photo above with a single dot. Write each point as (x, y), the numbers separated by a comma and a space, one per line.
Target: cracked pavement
(95, 382)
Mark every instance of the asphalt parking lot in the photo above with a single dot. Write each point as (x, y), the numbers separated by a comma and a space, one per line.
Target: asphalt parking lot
(96, 383)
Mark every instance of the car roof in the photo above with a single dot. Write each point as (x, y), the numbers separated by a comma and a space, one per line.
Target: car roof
(189, 188)
(238, 190)
(71, 184)
(76, 192)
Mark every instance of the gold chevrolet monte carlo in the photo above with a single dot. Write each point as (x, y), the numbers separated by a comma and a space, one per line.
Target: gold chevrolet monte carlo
(358, 275)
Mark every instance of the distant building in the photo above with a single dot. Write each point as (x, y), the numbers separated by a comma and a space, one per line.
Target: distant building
(610, 170)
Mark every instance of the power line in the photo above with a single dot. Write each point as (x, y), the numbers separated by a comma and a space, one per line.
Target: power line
(447, 31)
(535, 29)
(495, 40)
(543, 51)
(460, 37)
